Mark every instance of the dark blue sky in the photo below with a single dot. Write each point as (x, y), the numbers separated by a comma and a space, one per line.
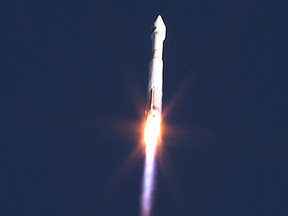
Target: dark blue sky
(73, 93)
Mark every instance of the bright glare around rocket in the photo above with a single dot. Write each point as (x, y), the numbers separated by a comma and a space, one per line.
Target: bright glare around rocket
(152, 130)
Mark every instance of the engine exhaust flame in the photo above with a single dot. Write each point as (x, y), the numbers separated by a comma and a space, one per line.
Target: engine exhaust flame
(151, 138)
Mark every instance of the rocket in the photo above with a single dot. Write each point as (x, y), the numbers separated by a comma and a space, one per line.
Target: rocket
(155, 84)
(152, 129)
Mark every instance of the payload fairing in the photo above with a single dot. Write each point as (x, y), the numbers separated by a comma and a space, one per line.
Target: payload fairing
(156, 69)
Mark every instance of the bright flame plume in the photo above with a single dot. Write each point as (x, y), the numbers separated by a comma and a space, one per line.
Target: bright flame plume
(152, 133)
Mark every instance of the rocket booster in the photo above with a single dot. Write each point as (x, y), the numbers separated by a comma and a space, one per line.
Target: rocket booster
(156, 67)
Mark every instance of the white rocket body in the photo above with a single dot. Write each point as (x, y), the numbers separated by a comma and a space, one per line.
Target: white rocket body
(156, 67)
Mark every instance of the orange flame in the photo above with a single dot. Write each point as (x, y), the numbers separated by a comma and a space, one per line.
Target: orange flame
(152, 132)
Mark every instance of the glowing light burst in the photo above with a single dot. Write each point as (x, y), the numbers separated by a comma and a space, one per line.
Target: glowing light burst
(152, 133)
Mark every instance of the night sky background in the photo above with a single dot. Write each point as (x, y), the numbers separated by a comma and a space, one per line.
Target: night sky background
(73, 93)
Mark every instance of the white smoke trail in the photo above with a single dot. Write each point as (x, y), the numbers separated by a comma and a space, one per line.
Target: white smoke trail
(148, 180)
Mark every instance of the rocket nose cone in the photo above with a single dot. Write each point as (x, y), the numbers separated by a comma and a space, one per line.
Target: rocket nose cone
(159, 22)
(159, 26)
